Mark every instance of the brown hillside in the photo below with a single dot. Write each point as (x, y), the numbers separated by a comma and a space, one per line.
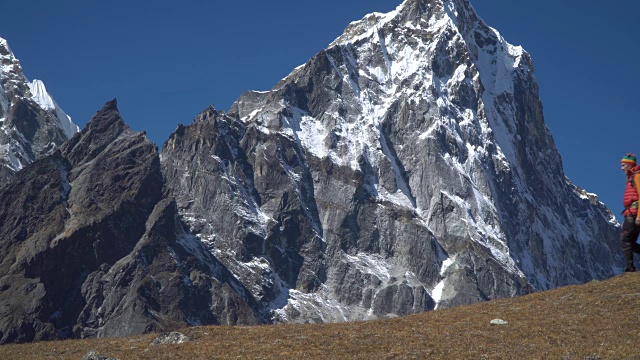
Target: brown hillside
(598, 320)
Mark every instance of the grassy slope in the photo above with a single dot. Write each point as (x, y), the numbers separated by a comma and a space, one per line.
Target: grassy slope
(598, 320)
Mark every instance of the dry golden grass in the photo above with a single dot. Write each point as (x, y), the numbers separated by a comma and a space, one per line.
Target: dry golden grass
(599, 320)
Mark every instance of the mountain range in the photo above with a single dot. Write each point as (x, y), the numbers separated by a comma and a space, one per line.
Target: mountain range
(405, 168)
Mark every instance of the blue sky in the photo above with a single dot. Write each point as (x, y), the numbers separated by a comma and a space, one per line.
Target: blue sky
(168, 61)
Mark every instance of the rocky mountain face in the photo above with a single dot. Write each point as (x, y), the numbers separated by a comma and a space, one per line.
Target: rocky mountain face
(405, 168)
(91, 246)
(31, 123)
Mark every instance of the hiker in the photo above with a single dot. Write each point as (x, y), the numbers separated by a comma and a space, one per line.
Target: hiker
(631, 223)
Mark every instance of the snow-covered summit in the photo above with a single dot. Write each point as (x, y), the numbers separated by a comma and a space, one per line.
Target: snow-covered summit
(427, 24)
(40, 95)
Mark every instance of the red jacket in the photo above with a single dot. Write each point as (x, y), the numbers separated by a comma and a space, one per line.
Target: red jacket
(631, 193)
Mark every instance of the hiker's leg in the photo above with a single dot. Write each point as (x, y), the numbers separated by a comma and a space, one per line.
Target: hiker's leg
(628, 238)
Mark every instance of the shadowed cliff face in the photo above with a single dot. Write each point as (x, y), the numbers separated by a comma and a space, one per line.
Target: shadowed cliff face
(91, 246)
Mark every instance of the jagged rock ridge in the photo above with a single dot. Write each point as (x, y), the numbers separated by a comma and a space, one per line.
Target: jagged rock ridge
(92, 246)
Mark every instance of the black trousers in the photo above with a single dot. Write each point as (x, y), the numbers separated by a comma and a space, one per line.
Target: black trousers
(630, 232)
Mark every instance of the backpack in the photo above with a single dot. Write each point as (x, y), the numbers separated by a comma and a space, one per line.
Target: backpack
(634, 171)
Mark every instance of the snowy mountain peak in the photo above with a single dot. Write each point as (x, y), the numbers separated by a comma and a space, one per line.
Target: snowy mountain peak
(439, 116)
(6, 55)
(430, 15)
(40, 95)
(435, 45)
(32, 123)
(12, 80)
